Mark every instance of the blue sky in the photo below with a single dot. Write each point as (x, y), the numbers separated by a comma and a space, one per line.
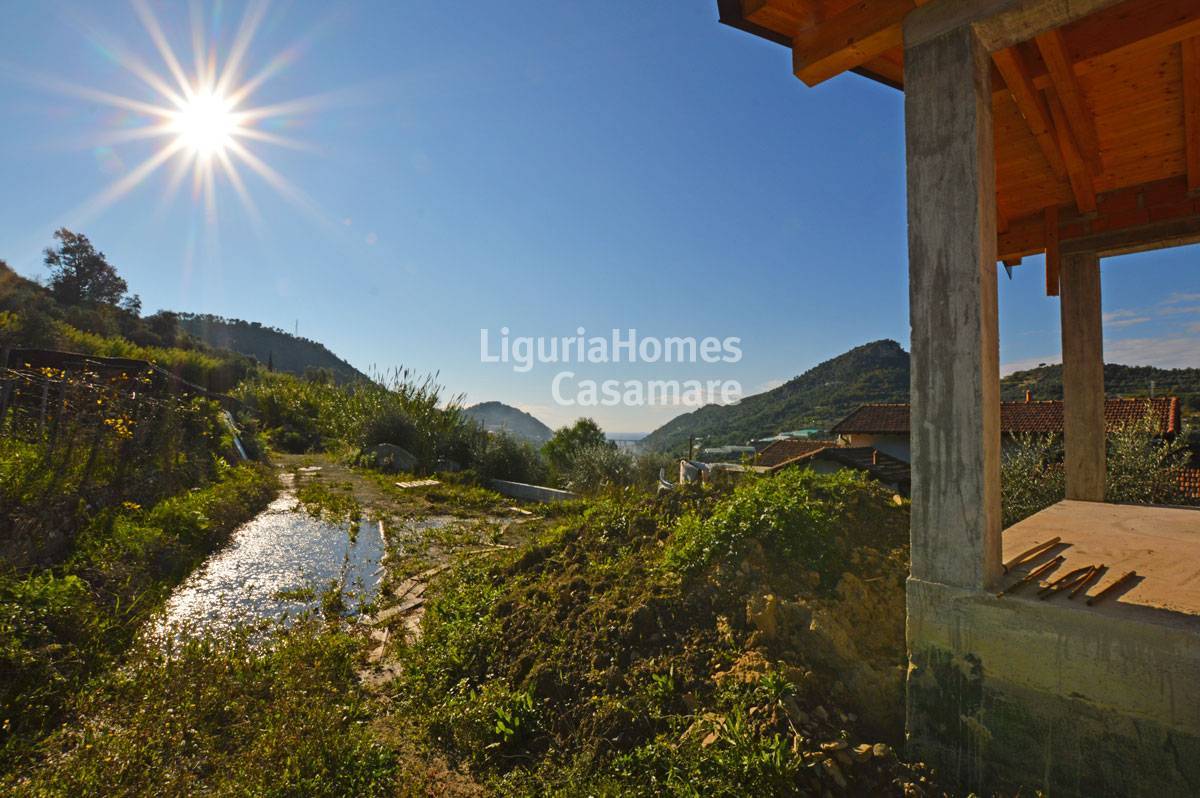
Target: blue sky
(536, 166)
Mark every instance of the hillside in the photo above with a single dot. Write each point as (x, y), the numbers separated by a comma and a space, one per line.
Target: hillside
(496, 416)
(269, 345)
(878, 372)
(1046, 383)
(874, 372)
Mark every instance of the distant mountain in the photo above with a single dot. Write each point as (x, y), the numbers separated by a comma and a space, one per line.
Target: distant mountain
(821, 396)
(497, 416)
(878, 372)
(269, 345)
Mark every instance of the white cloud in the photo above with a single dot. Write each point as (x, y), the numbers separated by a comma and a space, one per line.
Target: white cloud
(1178, 297)
(1123, 318)
(1179, 310)
(1170, 353)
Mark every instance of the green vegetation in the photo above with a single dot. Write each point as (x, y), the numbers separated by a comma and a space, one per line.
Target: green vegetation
(64, 622)
(1045, 382)
(270, 346)
(316, 414)
(662, 647)
(222, 715)
(1141, 469)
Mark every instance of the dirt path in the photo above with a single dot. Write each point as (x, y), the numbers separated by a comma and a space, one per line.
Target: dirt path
(426, 528)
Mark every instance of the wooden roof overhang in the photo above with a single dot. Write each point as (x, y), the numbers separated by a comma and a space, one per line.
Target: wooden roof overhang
(1097, 122)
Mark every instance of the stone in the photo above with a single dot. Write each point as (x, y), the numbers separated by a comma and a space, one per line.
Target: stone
(389, 457)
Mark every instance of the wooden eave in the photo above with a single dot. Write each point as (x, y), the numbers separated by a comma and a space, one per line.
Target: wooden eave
(1097, 123)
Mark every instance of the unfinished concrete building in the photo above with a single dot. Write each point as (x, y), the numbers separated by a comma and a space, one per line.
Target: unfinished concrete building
(1070, 128)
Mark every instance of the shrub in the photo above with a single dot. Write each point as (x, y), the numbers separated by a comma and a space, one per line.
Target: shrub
(1031, 476)
(796, 514)
(504, 456)
(597, 467)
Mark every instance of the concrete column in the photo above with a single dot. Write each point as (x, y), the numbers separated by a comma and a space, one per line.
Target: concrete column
(952, 297)
(1083, 377)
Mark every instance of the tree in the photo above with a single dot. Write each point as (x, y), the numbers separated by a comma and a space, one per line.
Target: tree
(79, 274)
(562, 449)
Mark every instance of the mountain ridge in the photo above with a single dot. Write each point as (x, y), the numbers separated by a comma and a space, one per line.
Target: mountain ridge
(879, 372)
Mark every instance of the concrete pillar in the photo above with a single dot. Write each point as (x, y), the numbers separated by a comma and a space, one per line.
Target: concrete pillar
(952, 296)
(1083, 377)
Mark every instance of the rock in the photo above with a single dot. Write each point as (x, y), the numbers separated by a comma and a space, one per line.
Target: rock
(863, 752)
(762, 612)
(881, 750)
(389, 457)
(835, 772)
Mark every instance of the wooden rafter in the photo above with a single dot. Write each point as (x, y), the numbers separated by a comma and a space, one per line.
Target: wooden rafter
(1077, 170)
(1078, 115)
(1052, 251)
(1191, 110)
(848, 40)
(1015, 72)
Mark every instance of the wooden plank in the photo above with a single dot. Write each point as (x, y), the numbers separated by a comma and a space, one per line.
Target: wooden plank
(1015, 72)
(1191, 110)
(1077, 170)
(1052, 252)
(862, 32)
(1130, 27)
(1078, 114)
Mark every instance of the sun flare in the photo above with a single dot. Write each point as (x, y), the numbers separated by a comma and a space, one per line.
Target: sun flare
(206, 124)
(205, 117)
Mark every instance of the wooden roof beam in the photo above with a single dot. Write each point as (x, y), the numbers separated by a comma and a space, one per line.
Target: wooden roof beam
(1077, 170)
(848, 40)
(1015, 72)
(1152, 215)
(1191, 110)
(1077, 114)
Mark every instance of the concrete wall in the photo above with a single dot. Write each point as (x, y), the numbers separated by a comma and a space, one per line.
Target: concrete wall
(1009, 692)
(531, 493)
(895, 445)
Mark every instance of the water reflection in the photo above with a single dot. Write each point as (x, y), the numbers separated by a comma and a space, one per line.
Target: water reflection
(261, 574)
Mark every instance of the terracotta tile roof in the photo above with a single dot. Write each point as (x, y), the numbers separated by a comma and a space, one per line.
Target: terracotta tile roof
(879, 465)
(877, 418)
(1189, 482)
(788, 449)
(1042, 416)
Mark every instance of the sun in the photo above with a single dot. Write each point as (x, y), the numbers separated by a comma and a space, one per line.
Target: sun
(204, 117)
(206, 124)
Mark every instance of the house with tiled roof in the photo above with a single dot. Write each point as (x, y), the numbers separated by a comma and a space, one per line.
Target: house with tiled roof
(891, 471)
(886, 426)
(782, 451)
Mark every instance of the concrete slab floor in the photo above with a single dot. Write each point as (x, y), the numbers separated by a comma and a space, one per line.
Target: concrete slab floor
(1162, 544)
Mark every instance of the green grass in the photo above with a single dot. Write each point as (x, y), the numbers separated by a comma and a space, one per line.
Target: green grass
(225, 716)
(60, 626)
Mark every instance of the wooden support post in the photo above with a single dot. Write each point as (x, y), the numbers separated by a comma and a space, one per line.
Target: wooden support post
(1083, 378)
(955, 428)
